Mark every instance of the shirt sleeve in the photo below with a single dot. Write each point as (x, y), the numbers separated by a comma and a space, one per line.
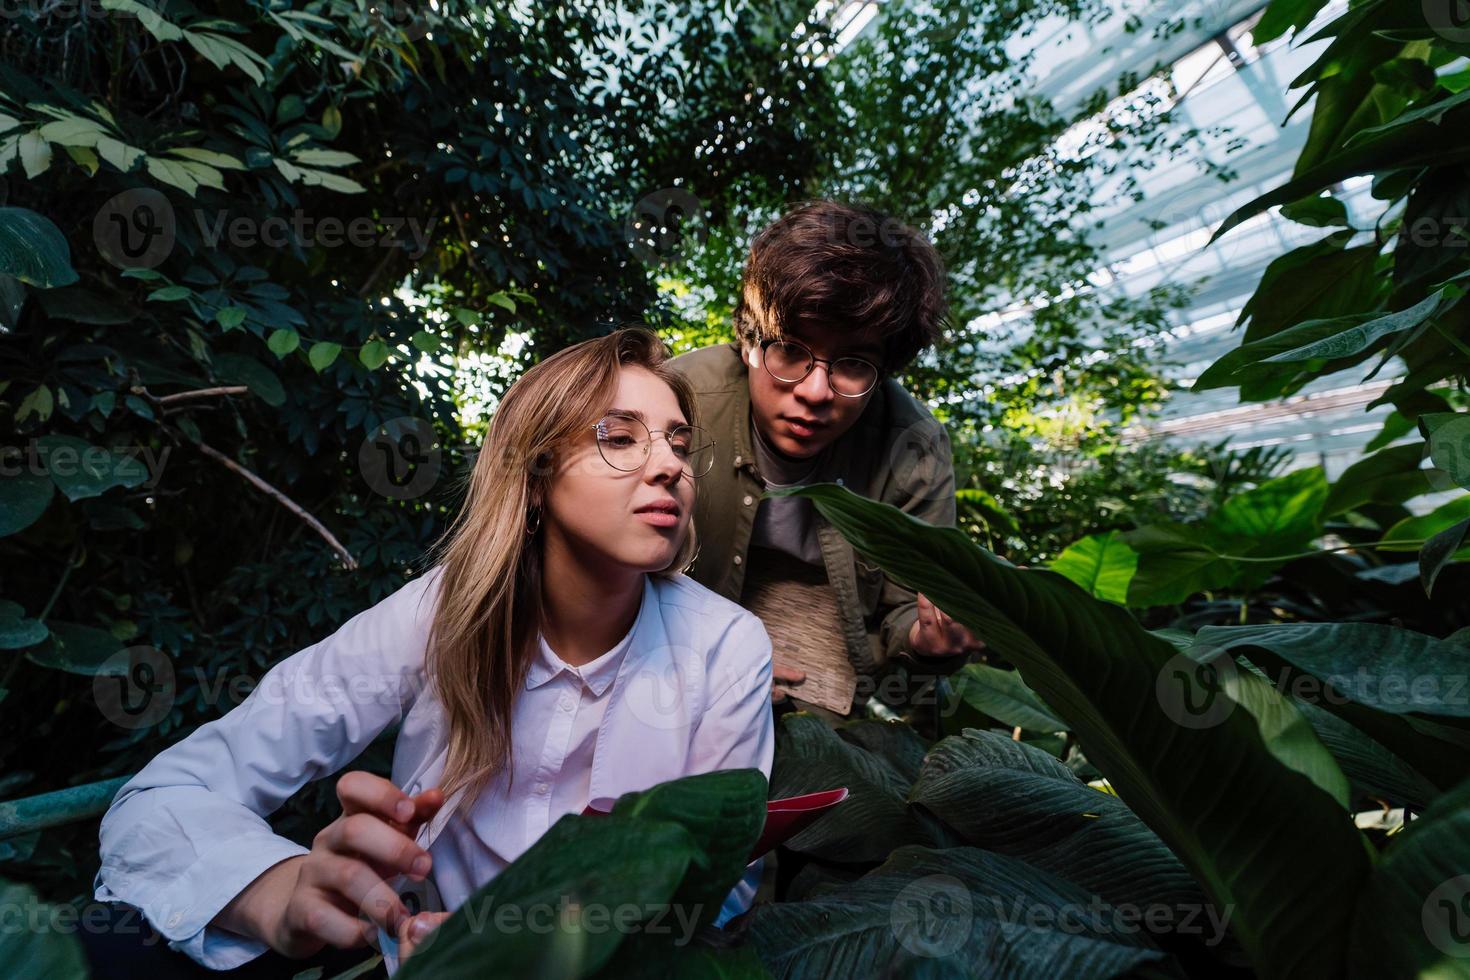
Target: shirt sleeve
(738, 731)
(188, 833)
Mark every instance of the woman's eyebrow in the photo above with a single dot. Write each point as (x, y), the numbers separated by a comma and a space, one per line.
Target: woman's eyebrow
(635, 413)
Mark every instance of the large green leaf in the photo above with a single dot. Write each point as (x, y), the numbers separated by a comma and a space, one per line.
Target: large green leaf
(76, 649)
(871, 822)
(1414, 916)
(1448, 434)
(956, 912)
(1389, 476)
(23, 499)
(1439, 551)
(1422, 144)
(241, 369)
(1286, 733)
(35, 943)
(33, 249)
(1002, 695)
(1357, 337)
(563, 907)
(725, 813)
(1291, 881)
(1386, 668)
(1103, 564)
(1239, 545)
(892, 741)
(1373, 770)
(81, 470)
(1412, 531)
(18, 632)
(1010, 798)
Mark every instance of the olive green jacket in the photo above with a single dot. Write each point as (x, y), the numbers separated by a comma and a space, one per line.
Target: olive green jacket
(896, 452)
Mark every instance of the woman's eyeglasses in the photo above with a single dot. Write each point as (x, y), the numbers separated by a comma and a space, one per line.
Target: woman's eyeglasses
(625, 442)
(789, 362)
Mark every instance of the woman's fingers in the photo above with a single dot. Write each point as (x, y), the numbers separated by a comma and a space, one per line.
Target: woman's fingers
(364, 836)
(325, 922)
(426, 804)
(413, 932)
(363, 792)
(346, 882)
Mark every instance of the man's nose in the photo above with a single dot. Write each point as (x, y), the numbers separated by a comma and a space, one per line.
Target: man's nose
(816, 387)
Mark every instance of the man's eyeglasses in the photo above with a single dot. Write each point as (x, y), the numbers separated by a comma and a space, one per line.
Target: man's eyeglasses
(625, 442)
(789, 361)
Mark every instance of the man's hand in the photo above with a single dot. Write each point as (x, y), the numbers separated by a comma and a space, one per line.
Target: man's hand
(784, 675)
(935, 634)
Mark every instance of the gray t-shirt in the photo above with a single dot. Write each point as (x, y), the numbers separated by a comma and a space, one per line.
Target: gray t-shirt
(785, 524)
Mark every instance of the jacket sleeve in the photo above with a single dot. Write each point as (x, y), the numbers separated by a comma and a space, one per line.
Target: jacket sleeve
(921, 482)
(187, 833)
(738, 729)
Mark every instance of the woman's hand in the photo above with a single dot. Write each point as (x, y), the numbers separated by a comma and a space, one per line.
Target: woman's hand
(345, 876)
(413, 933)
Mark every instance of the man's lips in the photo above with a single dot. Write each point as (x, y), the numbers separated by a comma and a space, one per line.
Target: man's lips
(803, 426)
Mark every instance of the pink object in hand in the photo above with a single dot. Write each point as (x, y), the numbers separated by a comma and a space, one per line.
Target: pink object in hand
(785, 818)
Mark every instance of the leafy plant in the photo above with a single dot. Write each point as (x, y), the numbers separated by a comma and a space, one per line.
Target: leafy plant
(1183, 733)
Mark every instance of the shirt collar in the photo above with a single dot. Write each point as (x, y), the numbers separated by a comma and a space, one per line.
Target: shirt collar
(597, 674)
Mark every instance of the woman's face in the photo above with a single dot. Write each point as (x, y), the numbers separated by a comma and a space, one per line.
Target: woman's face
(636, 519)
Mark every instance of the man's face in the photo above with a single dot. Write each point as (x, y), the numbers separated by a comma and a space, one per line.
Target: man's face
(803, 418)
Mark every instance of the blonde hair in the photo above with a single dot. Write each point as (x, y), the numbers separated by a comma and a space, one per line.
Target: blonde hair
(489, 612)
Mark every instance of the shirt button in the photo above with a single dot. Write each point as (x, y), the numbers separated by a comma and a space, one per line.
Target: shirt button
(839, 481)
(175, 919)
(738, 559)
(738, 460)
(566, 706)
(542, 788)
(749, 500)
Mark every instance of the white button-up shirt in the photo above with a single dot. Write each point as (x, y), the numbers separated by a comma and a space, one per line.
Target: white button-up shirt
(686, 691)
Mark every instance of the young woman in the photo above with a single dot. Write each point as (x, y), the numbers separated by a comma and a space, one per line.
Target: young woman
(553, 657)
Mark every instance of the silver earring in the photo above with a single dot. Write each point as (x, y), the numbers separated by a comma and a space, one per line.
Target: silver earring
(533, 528)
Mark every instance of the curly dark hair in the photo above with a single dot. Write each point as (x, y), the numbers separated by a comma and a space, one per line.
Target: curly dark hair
(846, 264)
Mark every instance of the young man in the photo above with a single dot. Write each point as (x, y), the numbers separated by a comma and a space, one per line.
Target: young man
(835, 299)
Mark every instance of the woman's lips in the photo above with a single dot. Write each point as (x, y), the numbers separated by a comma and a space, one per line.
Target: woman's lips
(658, 518)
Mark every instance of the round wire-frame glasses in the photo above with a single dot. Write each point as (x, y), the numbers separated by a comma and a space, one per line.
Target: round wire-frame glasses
(625, 442)
(790, 361)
